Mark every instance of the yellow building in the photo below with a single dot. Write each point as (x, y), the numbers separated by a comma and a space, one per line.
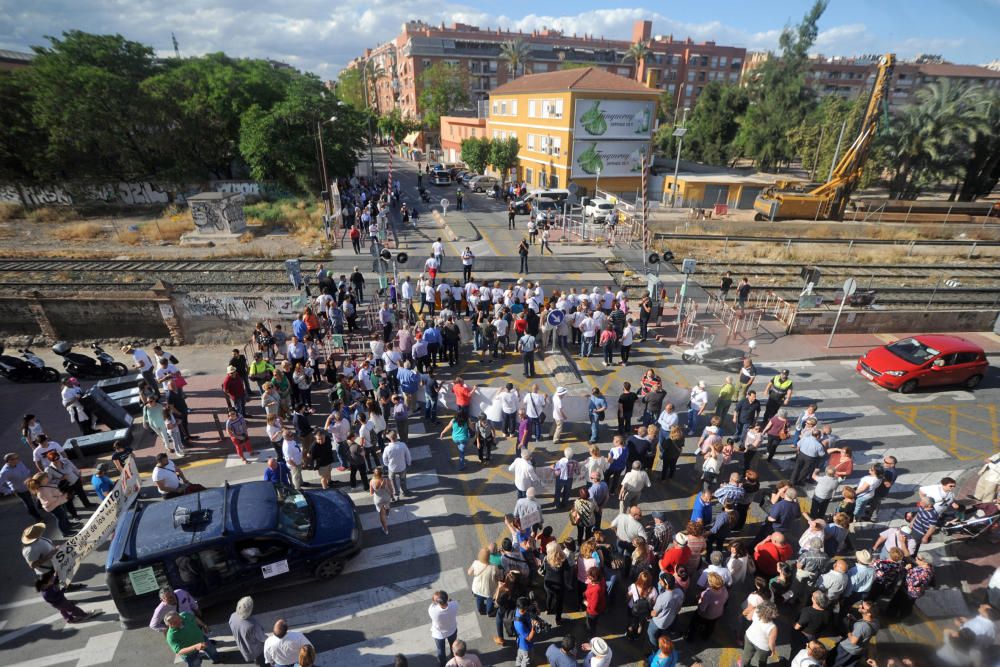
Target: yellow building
(584, 126)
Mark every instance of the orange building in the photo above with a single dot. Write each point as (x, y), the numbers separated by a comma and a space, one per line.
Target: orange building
(454, 129)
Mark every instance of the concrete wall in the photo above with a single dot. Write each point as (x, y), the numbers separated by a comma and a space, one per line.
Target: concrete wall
(105, 318)
(16, 319)
(201, 313)
(885, 321)
(127, 194)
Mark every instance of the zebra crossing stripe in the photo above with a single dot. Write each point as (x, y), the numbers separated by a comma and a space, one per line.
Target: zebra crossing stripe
(414, 480)
(403, 551)
(777, 365)
(379, 651)
(807, 396)
(406, 512)
(848, 412)
(877, 432)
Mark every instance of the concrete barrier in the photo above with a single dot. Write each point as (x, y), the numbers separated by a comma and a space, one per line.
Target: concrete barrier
(878, 321)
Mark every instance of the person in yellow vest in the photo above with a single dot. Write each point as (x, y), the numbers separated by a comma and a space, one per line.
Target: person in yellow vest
(779, 393)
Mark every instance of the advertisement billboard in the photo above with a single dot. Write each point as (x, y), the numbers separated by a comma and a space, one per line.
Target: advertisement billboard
(611, 158)
(613, 119)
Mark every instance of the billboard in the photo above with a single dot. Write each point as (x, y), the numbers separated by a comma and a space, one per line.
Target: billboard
(613, 119)
(611, 158)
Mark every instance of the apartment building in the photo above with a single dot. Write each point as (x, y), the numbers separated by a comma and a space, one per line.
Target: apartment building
(585, 126)
(678, 67)
(850, 77)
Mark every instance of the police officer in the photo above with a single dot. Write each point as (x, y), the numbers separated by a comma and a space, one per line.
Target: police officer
(779, 393)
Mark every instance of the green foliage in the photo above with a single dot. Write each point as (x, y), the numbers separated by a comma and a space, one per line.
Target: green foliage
(931, 140)
(20, 138)
(516, 53)
(278, 144)
(982, 170)
(815, 138)
(637, 52)
(87, 101)
(350, 88)
(714, 123)
(503, 154)
(476, 153)
(779, 96)
(445, 88)
(394, 125)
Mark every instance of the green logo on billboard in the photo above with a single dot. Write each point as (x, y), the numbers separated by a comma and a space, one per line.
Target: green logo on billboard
(589, 160)
(593, 120)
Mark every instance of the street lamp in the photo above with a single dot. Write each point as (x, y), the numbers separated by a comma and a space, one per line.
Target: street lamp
(327, 195)
(679, 133)
(371, 154)
(597, 182)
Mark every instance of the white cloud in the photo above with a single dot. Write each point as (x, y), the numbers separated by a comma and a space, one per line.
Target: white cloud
(320, 37)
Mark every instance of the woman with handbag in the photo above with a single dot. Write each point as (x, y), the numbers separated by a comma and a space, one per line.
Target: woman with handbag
(510, 589)
(485, 582)
(54, 500)
(641, 598)
(486, 438)
(555, 575)
(582, 515)
(776, 430)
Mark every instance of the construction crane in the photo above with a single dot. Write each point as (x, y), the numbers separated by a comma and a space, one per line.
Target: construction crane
(829, 200)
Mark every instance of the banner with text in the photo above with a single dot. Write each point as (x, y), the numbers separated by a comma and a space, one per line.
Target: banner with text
(100, 526)
(609, 158)
(613, 119)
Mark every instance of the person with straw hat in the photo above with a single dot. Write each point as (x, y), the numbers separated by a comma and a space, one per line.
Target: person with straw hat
(599, 654)
(37, 550)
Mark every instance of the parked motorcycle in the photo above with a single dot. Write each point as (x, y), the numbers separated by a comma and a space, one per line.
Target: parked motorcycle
(29, 369)
(728, 359)
(80, 365)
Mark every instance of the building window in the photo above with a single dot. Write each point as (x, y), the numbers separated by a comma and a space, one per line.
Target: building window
(624, 71)
(691, 75)
(513, 107)
(553, 180)
(715, 61)
(531, 142)
(723, 61)
(425, 62)
(701, 76)
(541, 178)
(531, 109)
(688, 90)
(529, 174)
(672, 88)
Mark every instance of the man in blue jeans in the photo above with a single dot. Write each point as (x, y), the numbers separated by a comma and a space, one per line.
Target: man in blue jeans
(187, 637)
(444, 623)
(525, 631)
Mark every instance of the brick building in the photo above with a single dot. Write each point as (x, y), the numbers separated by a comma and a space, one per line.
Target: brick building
(679, 67)
(10, 60)
(454, 129)
(849, 77)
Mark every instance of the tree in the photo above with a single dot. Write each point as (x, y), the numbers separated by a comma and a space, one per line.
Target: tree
(637, 53)
(22, 143)
(350, 88)
(279, 144)
(929, 140)
(87, 100)
(714, 123)
(503, 155)
(779, 95)
(982, 170)
(814, 140)
(445, 88)
(198, 104)
(476, 153)
(516, 53)
(394, 125)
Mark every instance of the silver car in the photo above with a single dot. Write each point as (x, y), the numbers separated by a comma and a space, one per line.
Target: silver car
(483, 183)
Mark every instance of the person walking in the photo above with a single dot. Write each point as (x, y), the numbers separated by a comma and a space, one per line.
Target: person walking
(381, 490)
(291, 450)
(564, 472)
(597, 408)
(239, 434)
(468, 258)
(511, 214)
(526, 345)
(443, 613)
(247, 632)
(458, 429)
(760, 642)
(595, 599)
(14, 478)
(558, 413)
(525, 476)
(779, 393)
(397, 459)
(356, 461)
(282, 649)
(556, 576)
(697, 403)
(187, 637)
(725, 399)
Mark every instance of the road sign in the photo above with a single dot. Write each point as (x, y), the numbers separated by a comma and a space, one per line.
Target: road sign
(556, 317)
(689, 266)
(850, 285)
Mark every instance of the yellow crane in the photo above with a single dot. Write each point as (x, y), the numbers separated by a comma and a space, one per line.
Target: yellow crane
(828, 200)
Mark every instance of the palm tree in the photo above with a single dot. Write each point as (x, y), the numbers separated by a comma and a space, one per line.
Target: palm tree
(516, 53)
(637, 53)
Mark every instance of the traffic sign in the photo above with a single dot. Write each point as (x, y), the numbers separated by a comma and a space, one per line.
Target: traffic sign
(556, 317)
(850, 285)
(689, 266)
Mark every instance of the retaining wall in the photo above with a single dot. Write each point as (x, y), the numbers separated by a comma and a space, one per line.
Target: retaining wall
(886, 321)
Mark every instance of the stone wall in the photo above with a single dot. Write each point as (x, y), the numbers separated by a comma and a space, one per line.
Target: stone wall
(128, 194)
(888, 321)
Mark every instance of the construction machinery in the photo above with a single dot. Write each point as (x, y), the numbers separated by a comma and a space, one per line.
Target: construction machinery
(828, 200)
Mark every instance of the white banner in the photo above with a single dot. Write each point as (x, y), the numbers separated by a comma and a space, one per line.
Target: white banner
(610, 158)
(100, 526)
(613, 119)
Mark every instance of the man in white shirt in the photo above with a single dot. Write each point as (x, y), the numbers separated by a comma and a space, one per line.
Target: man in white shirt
(396, 458)
(534, 405)
(167, 477)
(588, 331)
(628, 526)
(699, 399)
(634, 481)
(431, 265)
(282, 648)
(942, 495)
(438, 249)
(444, 623)
(628, 337)
(501, 324)
(467, 259)
(509, 399)
(406, 295)
(292, 452)
(558, 414)
(525, 476)
(715, 565)
(144, 365)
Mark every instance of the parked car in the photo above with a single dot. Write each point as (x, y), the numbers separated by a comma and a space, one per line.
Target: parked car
(468, 177)
(925, 361)
(459, 176)
(220, 543)
(483, 183)
(440, 177)
(598, 209)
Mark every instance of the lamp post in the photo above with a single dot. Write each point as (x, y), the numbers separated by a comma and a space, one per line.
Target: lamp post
(597, 182)
(679, 133)
(327, 195)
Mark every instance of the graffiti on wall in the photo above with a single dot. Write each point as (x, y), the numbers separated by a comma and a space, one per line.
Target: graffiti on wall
(243, 308)
(218, 215)
(126, 194)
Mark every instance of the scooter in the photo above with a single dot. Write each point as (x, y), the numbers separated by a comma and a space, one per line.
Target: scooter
(80, 365)
(728, 359)
(29, 369)
(425, 196)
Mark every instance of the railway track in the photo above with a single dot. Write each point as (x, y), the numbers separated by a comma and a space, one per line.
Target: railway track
(784, 240)
(875, 275)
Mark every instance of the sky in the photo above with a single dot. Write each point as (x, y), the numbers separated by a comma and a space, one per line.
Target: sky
(322, 37)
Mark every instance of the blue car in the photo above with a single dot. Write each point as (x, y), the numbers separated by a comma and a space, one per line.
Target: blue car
(221, 543)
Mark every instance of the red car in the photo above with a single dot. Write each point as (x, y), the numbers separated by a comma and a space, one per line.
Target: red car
(925, 361)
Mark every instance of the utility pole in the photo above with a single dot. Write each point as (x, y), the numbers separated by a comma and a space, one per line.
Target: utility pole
(679, 133)
(322, 168)
(819, 144)
(371, 154)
